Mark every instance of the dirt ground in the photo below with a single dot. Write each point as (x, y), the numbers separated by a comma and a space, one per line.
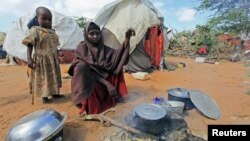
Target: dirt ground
(227, 83)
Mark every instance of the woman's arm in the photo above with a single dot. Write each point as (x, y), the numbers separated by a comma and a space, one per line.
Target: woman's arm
(110, 88)
(124, 51)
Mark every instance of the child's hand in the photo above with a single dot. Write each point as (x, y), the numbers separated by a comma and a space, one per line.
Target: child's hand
(59, 85)
(30, 63)
(130, 32)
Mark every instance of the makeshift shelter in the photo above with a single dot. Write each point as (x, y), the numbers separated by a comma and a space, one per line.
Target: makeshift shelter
(66, 28)
(2, 37)
(146, 48)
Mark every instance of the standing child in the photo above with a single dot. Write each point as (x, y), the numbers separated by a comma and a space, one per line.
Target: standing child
(42, 42)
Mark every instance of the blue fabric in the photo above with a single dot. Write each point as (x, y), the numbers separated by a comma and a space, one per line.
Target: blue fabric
(2, 53)
(32, 22)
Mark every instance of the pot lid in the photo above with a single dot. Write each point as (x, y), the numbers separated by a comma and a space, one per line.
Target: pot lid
(205, 104)
(179, 92)
(36, 126)
(150, 111)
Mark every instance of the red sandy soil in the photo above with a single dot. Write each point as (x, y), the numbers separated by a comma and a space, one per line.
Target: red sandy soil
(226, 83)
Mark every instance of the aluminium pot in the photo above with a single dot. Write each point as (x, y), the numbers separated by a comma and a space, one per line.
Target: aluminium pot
(181, 94)
(150, 118)
(42, 125)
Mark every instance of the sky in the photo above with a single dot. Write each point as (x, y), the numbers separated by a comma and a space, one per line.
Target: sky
(178, 14)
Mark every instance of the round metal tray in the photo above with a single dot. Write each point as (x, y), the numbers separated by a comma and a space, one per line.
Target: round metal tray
(205, 104)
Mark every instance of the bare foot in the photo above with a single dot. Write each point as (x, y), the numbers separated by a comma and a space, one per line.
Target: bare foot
(79, 105)
(82, 113)
(58, 96)
(46, 100)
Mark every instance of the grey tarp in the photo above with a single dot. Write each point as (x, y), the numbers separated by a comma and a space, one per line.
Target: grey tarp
(139, 61)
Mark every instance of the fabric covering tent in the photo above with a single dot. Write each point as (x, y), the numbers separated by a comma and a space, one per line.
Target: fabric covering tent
(66, 28)
(2, 38)
(115, 18)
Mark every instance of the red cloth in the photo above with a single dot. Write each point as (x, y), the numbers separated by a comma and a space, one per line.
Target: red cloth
(66, 56)
(202, 50)
(100, 100)
(159, 49)
(154, 45)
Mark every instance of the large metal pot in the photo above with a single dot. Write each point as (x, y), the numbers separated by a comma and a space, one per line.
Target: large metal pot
(150, 118)
(181, 94)
(38, 126)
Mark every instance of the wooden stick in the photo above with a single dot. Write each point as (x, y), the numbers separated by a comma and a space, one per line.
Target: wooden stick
(32, 99)
(127, 128)
(102, 118)
(30, 75)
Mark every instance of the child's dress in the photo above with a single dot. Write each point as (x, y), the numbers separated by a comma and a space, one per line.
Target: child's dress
(45, 78)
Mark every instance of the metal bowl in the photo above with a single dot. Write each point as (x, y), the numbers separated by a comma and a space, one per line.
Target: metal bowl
(181, 94)
(37, 126)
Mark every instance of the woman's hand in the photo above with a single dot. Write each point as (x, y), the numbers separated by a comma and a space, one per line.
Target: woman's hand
(111, 90)
(129, 33)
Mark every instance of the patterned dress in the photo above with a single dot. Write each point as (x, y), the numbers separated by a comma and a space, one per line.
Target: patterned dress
(45, 78)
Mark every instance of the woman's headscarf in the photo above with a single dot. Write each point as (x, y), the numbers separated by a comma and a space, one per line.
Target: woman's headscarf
(96, 52)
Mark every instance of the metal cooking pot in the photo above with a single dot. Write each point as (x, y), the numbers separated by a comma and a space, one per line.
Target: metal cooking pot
(150, 118)
(181, 94)
(38, 126)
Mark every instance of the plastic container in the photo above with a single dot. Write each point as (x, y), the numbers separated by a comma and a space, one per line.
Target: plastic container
(173, 106)
(141, 75)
